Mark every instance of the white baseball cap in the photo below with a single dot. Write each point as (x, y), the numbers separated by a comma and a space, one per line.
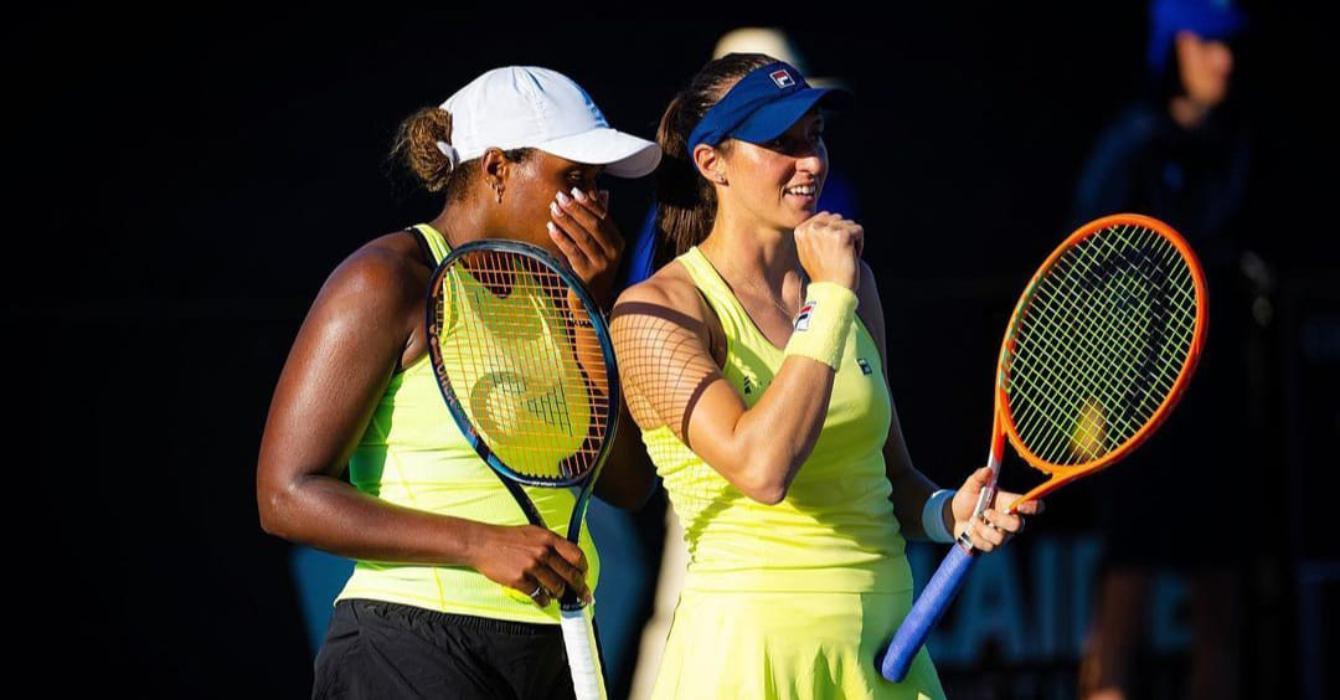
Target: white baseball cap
(532, 107)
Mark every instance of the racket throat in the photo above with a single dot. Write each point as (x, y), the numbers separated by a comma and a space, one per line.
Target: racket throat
(988, 493)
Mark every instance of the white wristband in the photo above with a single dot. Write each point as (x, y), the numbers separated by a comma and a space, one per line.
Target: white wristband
(933, 517)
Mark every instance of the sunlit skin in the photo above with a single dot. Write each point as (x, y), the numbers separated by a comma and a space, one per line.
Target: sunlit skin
(367, 323)
(758, 200)
(1205, 66)
(760, 239)
(755, 217)
(536, 194)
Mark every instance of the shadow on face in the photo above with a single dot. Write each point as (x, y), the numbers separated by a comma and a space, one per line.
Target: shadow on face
(532, 185)
(765, 179)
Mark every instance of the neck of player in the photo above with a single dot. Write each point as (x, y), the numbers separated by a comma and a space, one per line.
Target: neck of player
(765, 256)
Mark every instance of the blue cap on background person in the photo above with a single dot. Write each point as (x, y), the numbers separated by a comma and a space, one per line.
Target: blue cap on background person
(762, 106)
(1207, 19)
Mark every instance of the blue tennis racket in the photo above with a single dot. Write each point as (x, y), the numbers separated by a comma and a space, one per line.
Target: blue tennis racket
(523, 357)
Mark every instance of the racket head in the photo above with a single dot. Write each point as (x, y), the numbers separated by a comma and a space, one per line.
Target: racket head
(534, 393)
(1100, 347)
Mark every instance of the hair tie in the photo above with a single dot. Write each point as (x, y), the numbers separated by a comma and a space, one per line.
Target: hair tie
(453, 158)
(448, 150)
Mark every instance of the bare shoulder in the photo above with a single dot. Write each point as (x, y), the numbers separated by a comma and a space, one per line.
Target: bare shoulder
(387, 271)
(401, 244)
(670, 288)
(378, 286)
(666, 301)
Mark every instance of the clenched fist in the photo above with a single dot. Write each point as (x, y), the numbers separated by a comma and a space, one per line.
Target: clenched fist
(829, 247)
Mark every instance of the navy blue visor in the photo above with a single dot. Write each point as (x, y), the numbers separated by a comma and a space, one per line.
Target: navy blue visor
(762, 106)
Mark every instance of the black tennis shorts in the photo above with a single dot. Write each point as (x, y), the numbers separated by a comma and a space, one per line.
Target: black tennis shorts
(379, 649)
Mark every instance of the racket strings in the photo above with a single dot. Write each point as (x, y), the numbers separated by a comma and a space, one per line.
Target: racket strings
(525, 363)
(553, 407)
(1105, 337)
(1099, 342)
(1072, 364)
(1087, 360)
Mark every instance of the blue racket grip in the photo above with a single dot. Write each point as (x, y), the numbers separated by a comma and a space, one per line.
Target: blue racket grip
(939, 593)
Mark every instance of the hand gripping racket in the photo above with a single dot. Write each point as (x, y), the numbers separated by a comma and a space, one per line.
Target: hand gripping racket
(1099, 349)
(523, 358)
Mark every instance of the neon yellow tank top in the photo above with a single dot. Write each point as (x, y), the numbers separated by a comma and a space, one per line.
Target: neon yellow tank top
(413, 454)
(835, 531)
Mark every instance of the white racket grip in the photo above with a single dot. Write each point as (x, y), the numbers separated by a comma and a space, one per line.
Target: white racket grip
(583, 658)
(988, 492)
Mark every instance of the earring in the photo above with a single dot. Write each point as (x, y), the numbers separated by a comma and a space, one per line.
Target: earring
(497, 189)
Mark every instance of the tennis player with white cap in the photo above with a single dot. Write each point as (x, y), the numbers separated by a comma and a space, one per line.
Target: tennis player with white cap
(452, 590)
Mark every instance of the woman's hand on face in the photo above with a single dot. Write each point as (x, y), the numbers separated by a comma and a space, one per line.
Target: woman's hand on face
(581, 227)
(829, 248)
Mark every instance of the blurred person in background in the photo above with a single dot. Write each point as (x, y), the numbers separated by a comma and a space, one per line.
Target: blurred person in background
(1183, 155)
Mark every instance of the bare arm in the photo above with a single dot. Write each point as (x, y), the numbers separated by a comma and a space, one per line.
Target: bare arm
(629, 476)
(339, 367)
(661, 338)
(911, 488)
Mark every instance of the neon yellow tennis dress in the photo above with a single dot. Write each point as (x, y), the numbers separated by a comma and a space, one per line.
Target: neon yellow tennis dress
(413, 454)
(791, 600)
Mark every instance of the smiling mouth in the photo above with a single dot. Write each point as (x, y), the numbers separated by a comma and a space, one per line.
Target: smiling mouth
(801, 199)
(801, 190)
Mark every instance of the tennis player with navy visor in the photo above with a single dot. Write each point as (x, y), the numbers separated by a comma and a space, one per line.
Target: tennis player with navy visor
(754, 363)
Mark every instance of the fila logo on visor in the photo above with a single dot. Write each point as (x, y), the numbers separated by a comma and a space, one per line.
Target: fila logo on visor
(782, 78)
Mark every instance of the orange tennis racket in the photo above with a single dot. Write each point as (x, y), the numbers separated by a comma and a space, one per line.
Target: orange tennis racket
(1099, 349)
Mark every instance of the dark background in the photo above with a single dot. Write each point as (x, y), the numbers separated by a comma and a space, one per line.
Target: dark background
(182, 181)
